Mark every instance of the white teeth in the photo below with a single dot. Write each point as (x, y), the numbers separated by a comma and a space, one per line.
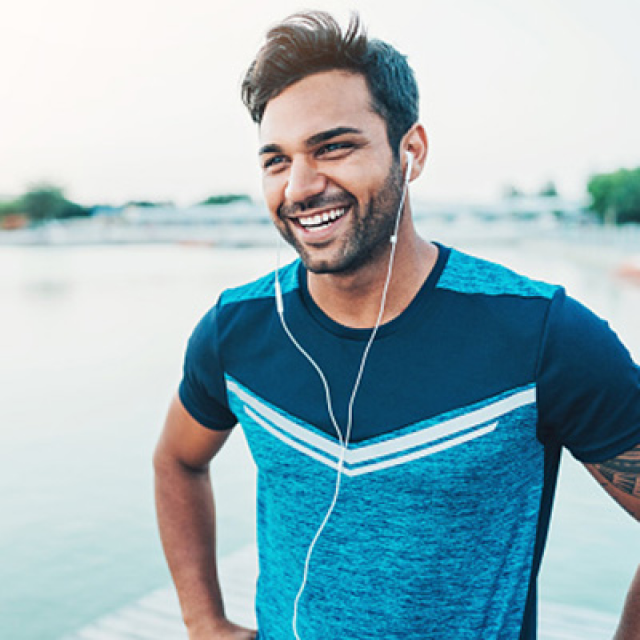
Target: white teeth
(322, 218)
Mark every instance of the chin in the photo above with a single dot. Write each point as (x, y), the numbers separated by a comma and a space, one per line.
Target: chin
(317, 266)
(338, 266)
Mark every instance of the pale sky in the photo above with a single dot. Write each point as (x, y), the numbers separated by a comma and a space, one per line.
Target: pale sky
(139, 99)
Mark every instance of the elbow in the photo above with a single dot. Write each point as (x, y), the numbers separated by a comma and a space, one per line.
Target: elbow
(160, 460)
(166, 463)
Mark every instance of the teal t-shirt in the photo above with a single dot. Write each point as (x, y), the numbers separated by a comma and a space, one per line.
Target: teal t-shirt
(465, 403)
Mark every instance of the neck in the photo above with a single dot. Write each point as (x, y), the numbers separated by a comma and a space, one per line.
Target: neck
(354, 299)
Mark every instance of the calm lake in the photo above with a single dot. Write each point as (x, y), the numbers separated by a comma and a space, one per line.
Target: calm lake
(92, 341)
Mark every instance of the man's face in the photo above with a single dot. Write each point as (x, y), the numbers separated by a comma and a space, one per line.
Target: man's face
(329, 178)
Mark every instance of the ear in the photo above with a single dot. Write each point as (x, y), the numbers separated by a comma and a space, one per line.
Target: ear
(415, 142)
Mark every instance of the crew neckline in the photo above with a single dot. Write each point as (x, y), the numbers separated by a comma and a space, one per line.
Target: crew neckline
(419, 300)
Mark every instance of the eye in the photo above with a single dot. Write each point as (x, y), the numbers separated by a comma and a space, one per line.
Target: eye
(273, 163)
(335, 148)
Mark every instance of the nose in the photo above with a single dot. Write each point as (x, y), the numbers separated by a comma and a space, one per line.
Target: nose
(304, 180)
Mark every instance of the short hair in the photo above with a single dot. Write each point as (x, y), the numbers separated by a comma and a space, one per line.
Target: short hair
(311, 42)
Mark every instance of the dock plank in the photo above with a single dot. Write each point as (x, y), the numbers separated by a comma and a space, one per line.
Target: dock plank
(157, 616)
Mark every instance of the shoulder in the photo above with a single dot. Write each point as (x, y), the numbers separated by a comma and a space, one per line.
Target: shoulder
(469, 274)
(239, 303)
(261, 288)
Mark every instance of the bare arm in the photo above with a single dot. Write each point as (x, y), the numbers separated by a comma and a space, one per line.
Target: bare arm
(186, 519)
(629, 627)
(620, 478)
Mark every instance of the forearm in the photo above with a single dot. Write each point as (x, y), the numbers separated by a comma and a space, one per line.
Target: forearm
(629, 628)
(186, 520)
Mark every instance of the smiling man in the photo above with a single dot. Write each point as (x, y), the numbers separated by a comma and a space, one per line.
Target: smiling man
(406, 404)
(330, 187)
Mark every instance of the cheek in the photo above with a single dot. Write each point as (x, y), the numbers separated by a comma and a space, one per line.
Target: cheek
(367, 185)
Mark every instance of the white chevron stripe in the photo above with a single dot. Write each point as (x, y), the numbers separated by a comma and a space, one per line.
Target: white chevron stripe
(393, 446)
(421, 453)
(372, 467)
(292, 443)
(444, 429)
(290, 427)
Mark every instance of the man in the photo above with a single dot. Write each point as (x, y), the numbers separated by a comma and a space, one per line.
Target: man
(405, 404)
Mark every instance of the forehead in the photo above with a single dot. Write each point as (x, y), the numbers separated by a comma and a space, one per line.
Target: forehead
(317, 103)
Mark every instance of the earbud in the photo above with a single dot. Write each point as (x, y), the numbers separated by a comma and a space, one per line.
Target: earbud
(407, 171)
(279, 303)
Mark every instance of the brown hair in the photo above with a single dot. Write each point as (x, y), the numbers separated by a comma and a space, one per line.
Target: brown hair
(311, 42)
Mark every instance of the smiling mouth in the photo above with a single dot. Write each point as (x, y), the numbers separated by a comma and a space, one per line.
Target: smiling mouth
(320, 221)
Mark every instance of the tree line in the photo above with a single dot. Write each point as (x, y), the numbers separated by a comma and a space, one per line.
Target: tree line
(615, 197)
(42, 202)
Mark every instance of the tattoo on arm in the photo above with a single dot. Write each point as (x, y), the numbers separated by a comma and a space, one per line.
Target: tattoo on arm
(623, 471)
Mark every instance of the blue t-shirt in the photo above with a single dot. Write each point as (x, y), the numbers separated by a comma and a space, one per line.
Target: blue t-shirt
(465, 403)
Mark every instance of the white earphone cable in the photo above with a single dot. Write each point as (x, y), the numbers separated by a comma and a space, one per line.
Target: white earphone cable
(343, 440)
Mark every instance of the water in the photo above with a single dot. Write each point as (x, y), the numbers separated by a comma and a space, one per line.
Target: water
(91, 345)
(92, 341)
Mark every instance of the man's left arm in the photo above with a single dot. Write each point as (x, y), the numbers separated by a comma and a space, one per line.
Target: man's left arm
(620, 478)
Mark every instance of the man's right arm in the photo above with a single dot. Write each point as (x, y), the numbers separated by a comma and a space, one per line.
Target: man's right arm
(186, 520)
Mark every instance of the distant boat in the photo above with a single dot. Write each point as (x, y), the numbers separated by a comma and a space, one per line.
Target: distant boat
(629, 269)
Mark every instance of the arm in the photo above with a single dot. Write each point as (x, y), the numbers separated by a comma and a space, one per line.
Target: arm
(620, 477)
(186, 519)
(629, 627)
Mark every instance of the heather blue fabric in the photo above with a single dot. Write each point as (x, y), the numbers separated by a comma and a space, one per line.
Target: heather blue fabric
(447, 485)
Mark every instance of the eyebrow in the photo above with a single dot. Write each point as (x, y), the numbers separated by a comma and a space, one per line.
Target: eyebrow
(313, 140)
(323, 136)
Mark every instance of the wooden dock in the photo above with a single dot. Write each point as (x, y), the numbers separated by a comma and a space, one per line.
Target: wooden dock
(157, 615)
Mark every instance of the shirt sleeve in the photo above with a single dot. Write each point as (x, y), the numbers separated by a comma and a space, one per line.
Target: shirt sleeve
(202, 389)
(588, 386)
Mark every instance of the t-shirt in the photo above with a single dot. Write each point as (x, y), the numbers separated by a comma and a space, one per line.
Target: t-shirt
(464, 405)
